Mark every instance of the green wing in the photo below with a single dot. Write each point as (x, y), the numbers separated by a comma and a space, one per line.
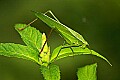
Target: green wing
(78, 36)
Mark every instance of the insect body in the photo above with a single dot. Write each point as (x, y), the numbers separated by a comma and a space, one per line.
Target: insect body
(70, 36)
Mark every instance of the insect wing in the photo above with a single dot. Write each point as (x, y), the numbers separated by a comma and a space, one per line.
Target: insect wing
(78, 36)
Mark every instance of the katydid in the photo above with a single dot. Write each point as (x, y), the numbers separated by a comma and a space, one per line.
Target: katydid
(70, 36)
(73, 38)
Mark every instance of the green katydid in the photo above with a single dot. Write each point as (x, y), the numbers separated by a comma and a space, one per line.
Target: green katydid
(70, 36)
(73, 38)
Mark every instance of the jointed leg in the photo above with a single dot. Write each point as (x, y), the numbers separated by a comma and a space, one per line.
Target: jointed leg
(69, 46)
(28, 24)
(50, 30)
(49, 11)
(46, 40)
(36, 20)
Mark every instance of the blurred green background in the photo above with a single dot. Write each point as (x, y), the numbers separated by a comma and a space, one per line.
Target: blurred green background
(97, 20)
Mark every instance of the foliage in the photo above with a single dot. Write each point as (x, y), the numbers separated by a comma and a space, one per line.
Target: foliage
(51, 72)
(37, 50)
(87, 73)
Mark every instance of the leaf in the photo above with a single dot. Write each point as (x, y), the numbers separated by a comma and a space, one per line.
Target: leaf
(97, 54)
(30, 36)
(51, 72)
(46, 48)
(87, 73)
(19, 51)
(44, 52)
(65, 52)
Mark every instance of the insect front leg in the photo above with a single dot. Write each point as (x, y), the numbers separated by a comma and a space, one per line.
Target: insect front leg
(28, 24)
(49, 11)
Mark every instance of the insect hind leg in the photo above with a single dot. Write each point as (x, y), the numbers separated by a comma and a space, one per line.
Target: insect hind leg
(49, 11)
(69, 46)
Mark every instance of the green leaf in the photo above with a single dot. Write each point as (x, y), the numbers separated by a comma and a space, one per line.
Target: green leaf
(51, 72)
(19, 51)
(65, 52)
(87, 73)
(97, 54)
(45, 54)
(30, 36)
